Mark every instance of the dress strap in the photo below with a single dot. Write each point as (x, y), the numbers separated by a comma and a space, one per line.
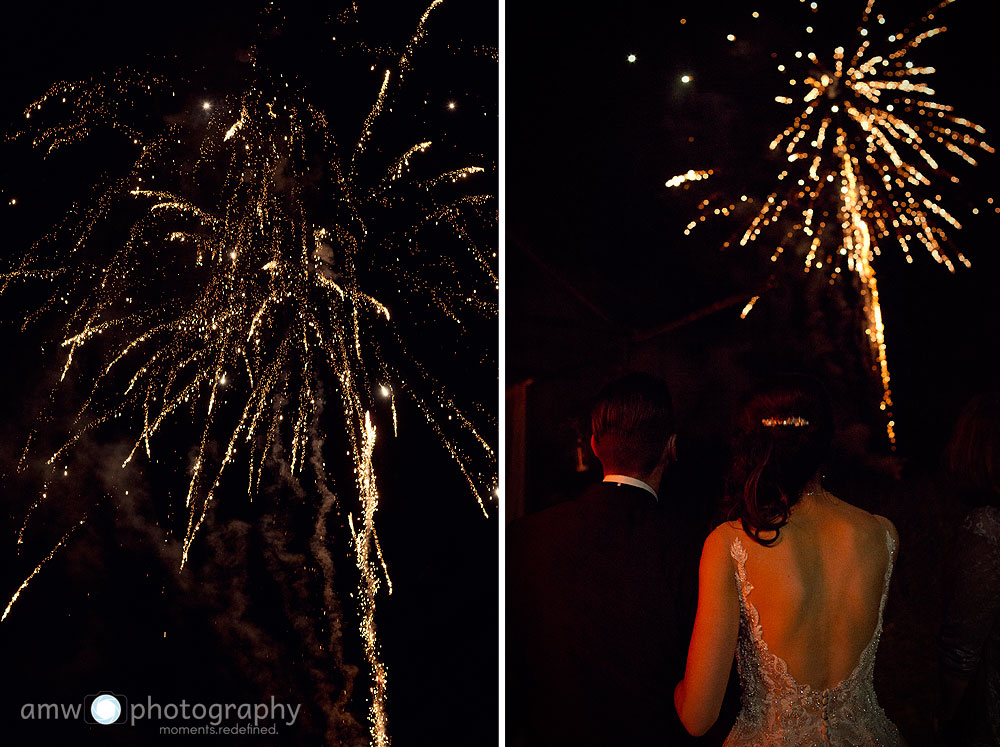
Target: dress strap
(890, 544)
(739, 555)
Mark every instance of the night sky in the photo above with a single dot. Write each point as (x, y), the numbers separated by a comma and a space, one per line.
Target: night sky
(242, 622)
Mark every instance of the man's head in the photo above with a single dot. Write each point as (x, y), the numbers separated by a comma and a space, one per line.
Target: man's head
(632, 421)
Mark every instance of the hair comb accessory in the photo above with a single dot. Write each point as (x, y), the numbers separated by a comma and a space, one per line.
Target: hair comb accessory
(795, 422)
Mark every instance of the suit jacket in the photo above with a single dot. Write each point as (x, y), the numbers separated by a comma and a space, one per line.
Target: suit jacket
(600, 598)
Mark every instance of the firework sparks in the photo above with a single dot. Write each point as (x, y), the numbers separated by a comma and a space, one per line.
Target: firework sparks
(858, 161)
(246, 282)
(749, 307)
(689, 176)
(38, 567)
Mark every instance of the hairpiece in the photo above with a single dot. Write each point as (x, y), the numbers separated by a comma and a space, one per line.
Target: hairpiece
(795, 422)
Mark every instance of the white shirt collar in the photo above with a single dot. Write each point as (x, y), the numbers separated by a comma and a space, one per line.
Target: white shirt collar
(634, 482)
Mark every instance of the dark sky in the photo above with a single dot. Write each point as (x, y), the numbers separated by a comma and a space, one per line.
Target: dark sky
(243, 622)
(591, 139)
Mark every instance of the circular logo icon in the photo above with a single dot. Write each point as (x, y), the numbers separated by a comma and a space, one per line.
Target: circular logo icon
(105, 709)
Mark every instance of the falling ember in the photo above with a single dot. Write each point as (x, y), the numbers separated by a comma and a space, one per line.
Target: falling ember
(283, 283)
(748, 307)
(235, 128)
(690, 176)
(862, 150)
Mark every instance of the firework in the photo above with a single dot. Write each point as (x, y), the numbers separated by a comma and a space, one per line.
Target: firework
(858, 162)
(265, 265)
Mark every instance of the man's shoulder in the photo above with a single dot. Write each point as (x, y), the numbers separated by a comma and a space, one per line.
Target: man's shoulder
(596, 499)
(544, 521)
(609, 508)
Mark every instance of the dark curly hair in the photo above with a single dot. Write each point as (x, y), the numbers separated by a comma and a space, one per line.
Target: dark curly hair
(783, 433)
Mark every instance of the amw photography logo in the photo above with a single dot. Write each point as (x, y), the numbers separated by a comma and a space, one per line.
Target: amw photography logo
(104, 708)
(109, 708)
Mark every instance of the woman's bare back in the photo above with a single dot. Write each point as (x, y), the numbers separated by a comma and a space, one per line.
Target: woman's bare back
(818, 589)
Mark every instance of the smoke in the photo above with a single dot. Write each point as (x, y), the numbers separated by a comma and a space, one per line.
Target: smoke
(320, 548)
(248, 579)
(332, 676)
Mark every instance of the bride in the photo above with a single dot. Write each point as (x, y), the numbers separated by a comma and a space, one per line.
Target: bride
(794, 584)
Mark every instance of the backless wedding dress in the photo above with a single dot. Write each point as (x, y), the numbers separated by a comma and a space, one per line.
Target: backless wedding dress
(777, 710)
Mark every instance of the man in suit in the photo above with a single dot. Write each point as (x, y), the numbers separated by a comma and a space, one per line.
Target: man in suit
(601, 592)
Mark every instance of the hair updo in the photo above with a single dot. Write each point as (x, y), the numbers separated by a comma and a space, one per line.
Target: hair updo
(783, 433)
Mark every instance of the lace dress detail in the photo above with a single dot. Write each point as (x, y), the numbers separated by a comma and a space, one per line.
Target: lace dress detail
(777, 710)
